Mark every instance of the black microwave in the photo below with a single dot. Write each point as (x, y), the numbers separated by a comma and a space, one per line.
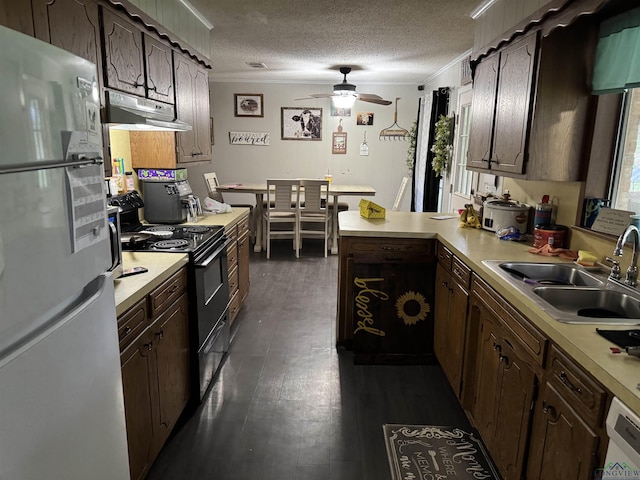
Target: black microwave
(115, 230)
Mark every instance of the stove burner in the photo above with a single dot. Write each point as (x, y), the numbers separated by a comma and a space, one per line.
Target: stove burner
(197, 229)
(168, 244)
(161, 228)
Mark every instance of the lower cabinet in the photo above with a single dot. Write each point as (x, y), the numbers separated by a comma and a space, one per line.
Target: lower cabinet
(450, 318)
(504, 390)
(568, 438)
(155, 370)
(238, 265)
(540, 414)
(386, 299)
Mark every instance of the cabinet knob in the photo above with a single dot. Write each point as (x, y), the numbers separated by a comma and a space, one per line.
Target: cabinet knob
(549, 410)
(160, 334)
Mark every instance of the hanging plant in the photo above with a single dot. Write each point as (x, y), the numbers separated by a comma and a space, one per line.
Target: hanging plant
(442, 145)
(411, 153)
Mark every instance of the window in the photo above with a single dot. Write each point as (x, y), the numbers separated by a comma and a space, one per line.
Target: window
(463, 176)
(625, 184)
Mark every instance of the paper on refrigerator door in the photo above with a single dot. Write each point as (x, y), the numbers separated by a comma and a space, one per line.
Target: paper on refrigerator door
(88, 206)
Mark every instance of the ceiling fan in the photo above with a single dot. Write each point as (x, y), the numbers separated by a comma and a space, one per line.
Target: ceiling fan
(344, 94)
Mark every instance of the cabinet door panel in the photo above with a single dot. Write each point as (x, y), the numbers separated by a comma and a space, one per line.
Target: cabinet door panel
(202, 125)
(487, 375)
(243, 265)
(123, 54)
(392, 304)
(139, 395)
(482, 113)
(513, 412)
(562, 445)
(17, 15)
(513, 106)
(159, 68)
(172, 358)
(72, 25)
(185, 108)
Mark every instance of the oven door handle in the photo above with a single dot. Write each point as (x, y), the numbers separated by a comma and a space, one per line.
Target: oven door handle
(205, 263)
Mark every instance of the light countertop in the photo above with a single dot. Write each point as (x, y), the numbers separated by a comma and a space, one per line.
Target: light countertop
(620, 373)
(161, 266)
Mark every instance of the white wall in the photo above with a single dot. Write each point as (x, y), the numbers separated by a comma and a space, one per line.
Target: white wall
(383, 168)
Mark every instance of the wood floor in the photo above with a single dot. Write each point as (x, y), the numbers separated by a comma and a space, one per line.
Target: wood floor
(287, 404)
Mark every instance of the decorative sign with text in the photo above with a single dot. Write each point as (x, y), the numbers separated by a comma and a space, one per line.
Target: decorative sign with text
(249, 138)
(420, 452)
(611, 221)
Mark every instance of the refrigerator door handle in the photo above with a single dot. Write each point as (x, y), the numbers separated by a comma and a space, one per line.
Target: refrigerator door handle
(33, 166)
(15, 345)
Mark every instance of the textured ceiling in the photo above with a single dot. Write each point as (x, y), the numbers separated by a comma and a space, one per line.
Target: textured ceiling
(386, 42)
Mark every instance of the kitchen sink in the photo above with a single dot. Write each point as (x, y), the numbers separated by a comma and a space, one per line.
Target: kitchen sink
(571, 294)
(551, 274)
(593, 303)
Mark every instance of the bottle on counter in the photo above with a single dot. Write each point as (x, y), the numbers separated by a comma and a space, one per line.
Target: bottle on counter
(129, 182)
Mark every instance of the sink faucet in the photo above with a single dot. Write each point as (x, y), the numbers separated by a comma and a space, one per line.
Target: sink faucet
(632, 272)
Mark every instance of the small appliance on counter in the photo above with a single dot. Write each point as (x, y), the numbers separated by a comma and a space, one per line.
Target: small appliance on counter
(167, 196)
(502, 213)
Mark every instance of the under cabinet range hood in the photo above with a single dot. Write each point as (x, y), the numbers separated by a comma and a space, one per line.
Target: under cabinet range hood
(128, 112)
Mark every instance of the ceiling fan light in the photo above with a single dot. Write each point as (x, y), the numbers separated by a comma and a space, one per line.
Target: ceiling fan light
(344, 99)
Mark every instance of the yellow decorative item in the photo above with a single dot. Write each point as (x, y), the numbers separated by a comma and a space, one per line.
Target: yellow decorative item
(417, 299)
(368, 209)
(470, 218)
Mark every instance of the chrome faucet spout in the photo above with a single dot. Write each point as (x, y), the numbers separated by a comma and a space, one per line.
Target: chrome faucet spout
(632, 271)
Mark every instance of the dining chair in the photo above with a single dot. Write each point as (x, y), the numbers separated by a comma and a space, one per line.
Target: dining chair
(211, 179)
(315, 210)
(282, 209)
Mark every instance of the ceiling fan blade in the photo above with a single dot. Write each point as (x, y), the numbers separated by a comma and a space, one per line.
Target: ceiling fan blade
(371, 95)
(316, 95)
(372, 99)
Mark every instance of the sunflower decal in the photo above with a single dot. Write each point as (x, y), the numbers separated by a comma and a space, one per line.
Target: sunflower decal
(412, 307)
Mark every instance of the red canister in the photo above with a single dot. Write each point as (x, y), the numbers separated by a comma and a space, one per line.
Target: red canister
(554, 235)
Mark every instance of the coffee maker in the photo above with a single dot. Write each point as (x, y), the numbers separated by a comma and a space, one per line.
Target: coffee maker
(167, 195)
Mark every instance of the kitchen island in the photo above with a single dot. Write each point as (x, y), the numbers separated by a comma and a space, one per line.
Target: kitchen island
(553, 380)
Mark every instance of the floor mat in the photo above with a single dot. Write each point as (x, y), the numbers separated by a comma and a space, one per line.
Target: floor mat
(425, 451)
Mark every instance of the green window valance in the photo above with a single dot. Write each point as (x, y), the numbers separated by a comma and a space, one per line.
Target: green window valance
(617, 62)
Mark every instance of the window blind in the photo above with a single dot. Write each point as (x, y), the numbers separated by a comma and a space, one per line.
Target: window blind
(617, 61)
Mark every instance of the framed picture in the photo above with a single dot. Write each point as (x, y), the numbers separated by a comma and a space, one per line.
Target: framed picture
(301, 123)
(340, 112)
(364, 118)
(248, 105)
(339, 143)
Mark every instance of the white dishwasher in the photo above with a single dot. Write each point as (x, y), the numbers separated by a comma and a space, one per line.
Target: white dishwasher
(623, 452)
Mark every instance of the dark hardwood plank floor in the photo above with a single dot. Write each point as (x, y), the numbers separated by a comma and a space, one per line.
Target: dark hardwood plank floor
(287, 404)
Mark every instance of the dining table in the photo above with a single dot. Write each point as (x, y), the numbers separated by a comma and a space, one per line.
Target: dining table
(260, 190)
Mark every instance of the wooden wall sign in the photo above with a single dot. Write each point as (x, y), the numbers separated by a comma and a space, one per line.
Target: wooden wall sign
(249, 138)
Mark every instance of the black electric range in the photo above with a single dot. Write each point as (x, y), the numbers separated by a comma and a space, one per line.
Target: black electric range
(207, 285)
(191, 239)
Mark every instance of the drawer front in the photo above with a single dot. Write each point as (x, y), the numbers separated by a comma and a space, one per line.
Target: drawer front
(395, 246)
(234, 307)
(445, 257)
(233, 281)
(577, 387)
(132, 323)
(232, 232)
(232, 255)
(461, 272)
(243, 225)
(167, 293)
(516, 327)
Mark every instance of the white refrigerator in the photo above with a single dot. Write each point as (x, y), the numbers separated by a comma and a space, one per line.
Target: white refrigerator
(61, 403)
